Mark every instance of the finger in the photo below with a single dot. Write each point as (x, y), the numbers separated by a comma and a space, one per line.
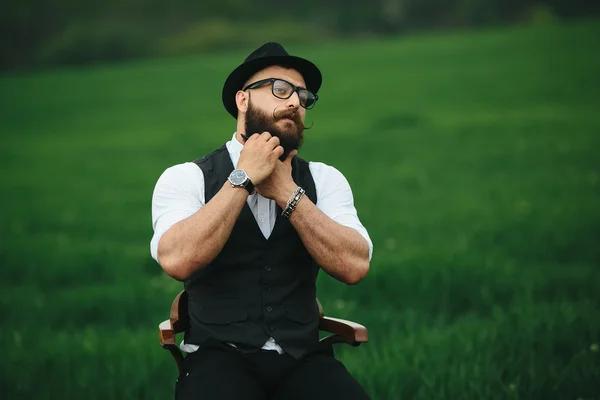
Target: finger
(274, 141)
(265, 136)
(288, 159)
(278, 151)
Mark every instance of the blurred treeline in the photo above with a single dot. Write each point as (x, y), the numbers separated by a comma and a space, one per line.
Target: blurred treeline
(70, 32)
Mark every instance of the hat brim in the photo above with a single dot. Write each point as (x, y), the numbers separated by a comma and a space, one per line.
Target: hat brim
(309, 71)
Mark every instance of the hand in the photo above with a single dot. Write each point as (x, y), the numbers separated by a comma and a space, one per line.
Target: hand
(259, 155)
(279, 185)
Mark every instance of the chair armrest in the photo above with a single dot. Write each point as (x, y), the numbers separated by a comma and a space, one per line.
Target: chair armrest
(166, 335)
(177, 323)
(343, 331)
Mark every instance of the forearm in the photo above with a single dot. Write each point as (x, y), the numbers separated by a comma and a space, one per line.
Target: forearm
(341, 251)
(194, 242)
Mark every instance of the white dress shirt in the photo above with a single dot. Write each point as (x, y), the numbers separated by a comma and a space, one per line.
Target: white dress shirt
(179, 193)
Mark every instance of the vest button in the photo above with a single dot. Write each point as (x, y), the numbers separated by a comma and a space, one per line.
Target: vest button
(269, 308)
(268, 268)
(271, 328)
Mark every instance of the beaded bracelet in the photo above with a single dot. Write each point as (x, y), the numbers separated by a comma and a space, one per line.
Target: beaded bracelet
(293, 202)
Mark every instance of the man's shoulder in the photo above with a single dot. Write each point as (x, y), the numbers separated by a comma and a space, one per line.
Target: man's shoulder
(183, 167)
(318, 168)
(179, 172)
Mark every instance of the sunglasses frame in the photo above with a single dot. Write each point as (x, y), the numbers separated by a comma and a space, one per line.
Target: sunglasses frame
(296, 89)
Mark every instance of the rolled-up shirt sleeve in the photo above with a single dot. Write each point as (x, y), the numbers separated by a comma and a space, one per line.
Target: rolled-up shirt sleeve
(335, 199)
(178, 194)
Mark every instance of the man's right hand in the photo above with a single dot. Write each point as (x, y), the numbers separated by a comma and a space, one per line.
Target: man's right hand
(259, 156)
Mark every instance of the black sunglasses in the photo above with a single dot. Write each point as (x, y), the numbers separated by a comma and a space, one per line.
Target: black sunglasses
(284, 90)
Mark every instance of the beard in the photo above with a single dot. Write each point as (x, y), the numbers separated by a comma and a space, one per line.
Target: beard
(290, 137)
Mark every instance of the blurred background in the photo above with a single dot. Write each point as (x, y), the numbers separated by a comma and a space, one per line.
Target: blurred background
(468, 130)
(44, 33)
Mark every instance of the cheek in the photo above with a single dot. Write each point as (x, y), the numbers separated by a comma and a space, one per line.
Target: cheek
(271, 104)
(265, 105)
(264, 99)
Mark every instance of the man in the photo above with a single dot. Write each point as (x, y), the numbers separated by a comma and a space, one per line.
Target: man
(247, 228)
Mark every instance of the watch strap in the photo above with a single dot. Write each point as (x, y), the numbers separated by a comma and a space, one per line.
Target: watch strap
(249, 186)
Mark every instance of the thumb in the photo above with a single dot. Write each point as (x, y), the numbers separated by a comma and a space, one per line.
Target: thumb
(288, 159)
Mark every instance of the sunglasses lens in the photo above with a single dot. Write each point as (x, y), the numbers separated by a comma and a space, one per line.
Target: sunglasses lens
(282, 89)
(307, 99)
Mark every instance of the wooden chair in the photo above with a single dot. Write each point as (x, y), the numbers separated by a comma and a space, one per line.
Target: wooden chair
(342, 331)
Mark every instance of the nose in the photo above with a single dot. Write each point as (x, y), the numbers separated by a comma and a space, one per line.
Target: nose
(293, 101)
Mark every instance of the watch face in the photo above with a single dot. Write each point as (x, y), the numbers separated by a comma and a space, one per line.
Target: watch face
(237, 177)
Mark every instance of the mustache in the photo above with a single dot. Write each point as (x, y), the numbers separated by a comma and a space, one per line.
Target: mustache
(291, 114)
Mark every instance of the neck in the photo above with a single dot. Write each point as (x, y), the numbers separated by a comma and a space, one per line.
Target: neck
(240, 130)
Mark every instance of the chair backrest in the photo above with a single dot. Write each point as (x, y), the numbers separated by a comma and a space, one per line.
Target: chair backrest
(179, 313)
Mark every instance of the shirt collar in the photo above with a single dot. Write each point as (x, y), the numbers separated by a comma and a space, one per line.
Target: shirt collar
(235, 148)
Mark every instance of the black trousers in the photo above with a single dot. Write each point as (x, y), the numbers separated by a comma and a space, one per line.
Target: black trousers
(221, 372)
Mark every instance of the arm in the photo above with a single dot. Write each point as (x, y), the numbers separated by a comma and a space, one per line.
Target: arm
(194, 242)
(340, 250)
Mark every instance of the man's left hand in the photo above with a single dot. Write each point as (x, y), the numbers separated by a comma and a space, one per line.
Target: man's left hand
(280, 185)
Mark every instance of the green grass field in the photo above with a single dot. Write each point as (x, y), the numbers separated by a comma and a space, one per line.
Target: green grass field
(474, 161)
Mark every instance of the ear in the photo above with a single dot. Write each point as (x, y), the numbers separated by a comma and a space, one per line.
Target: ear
(241, 100)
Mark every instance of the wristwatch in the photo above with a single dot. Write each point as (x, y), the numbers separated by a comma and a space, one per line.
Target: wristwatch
(239, 178)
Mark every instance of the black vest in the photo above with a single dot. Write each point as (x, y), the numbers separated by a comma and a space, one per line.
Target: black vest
(255, 288)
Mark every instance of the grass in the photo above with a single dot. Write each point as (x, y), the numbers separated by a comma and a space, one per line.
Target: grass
(474, 163)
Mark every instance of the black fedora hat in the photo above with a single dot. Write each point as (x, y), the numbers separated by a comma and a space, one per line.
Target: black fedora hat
(266, 55)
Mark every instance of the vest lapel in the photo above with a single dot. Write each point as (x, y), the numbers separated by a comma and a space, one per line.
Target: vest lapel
(218, 165)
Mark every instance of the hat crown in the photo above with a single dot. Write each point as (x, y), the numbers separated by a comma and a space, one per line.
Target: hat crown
(270, 49)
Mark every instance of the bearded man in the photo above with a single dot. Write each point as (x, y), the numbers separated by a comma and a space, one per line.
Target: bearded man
(247, 228)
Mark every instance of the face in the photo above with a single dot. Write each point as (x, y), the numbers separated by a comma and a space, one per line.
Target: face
(283, 118)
